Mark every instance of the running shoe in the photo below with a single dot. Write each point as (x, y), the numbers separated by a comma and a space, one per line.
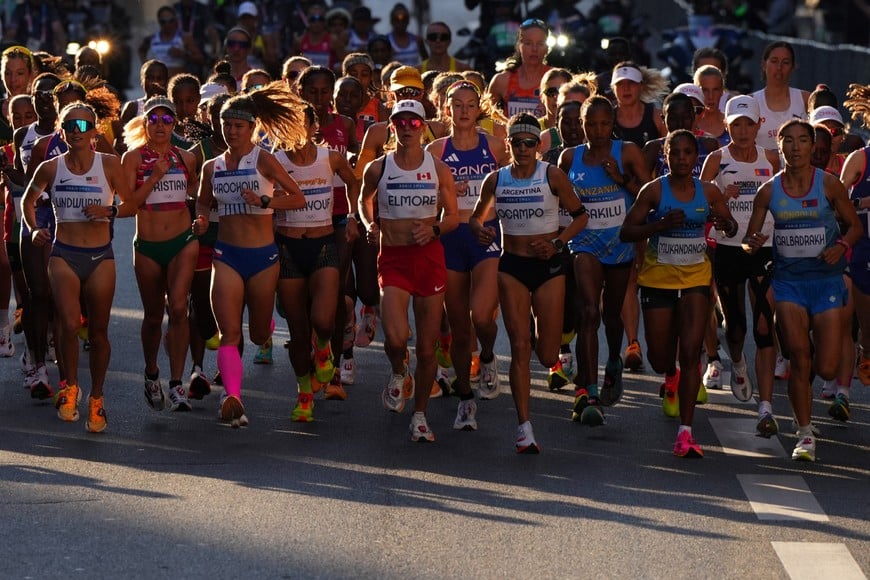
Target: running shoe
(782, 370)
(7, 348)
(264, 353)
(154, 394)
(348, 371)
(686, 446)
(805, 450)
(420, 429)
(232, 411)
(303, 412)
(97, 421)
(392, 397)
(40, 388)
(766, 426)
(569, 365)
(526, 440)
(839, 409)
(671, 399)
(741, 386)
(217, 380)
(581, 401)
(17, 325)
(442, 377)
(214, 342)
(474, 375)
(587, 408)
(198, 387)
(611, 389)
(864, 371)
(557, 377)
(436, 390)
(466, 416)
(50, 351)
(67, 403)
(702, 397)
(324, 364)
(713, 375)
(633, 357)
(335, 390)
(25, 362)
(829, 389)
(367, 328)
(442, 351)
(349, 335)
(31, 378)
(490, 383)
(83, 329)
(178, 400)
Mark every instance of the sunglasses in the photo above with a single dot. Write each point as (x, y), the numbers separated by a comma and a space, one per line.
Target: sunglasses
(317, 18)
(837, 132)
(238, 44)
(412, 123)
(534, 23)
(551, 92)
(82, 125)
(408, 92)
(438, 37)
(165, 119)
(527, 142)
(699, 109)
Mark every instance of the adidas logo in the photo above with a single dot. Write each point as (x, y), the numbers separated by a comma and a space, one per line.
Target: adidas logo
(453, 157)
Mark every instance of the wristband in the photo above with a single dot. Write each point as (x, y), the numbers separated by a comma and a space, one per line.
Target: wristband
(436, 230)
(844, 243)
(578, 212)
(113, 210)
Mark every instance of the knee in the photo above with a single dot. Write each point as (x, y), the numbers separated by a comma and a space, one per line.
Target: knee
(589, 315)
(827, 368)
(178, 312)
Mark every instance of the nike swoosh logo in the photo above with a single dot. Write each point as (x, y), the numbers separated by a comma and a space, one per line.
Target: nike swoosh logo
(555, 270)
(95, 258)
(439, 288)
(273, 257)
(65, 180)
(392, 177)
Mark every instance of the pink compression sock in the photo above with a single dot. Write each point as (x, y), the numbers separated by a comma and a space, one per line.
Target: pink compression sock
(271, 327)
(230, 365)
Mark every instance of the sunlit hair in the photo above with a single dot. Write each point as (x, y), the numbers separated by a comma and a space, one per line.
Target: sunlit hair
(554, 72)
(436, 95)
(222, 74)
(136, 132)
(56, 80)
(858, 102)
(77, 105)
(680, 134)
(710, 52)
(585, 83)
(597, 101)
(253, 73)
(20, 52)
(275, 110)
(180, 80)
(148, 65)
(312, 71)
(653, 85)
(708, 70)
(17, 99)
(821, 96)
(92, 91)
(805, 125)
(47, 62)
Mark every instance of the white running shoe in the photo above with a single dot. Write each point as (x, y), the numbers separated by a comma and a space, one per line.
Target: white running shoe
(420, 429)
(741, 386)
(154, 394)
(348, 371)
(25, 362)
(805, 450)
(713, 375)
(526, 439)
(489, 380)
(392, 397)
(7, 348)
(178, 400)
(569, 365)
(829, 389)
(31, 377)
(466, 416)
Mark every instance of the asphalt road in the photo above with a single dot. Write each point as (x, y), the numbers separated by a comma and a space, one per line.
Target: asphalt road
(162, 495)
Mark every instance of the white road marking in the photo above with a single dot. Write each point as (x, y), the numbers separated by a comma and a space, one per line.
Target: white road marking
(781, 497)
(737, 437)
(817, 561)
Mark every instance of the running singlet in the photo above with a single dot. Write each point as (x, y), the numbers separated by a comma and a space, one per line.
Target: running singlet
(772, 120)
(748, 177)
(72, 193)
(645, 131)
(317, 52)
(408, 55)
(861, 190)
(159, 50)
(606, 205)
(408, 194)
(315, 181)
(27, 144)
(520, 100)
(469, 168)
(424, 66)
(366, 117)
(677, 259)
(337, 139)
(227, 185)
(170, 191)
(803, 227)
(526, 207)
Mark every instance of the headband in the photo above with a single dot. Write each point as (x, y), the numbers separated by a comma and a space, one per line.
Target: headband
(525, 128)
(237, 114)
(463, 84)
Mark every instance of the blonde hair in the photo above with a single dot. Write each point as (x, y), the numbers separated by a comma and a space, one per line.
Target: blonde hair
(708, 70)
(275, 110)
(653, 85)
(437, 94)
(858, 102)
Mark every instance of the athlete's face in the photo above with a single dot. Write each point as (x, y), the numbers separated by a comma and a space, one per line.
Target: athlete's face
(237, 132)
(317, 90)
(627, 92)
(16, 75)
(464, 106)
(821, 150)
(550, 94)
(348, 98)
(598, 125)
(43, 101)
(361, 72)
(713, 89)
(743, 131)
(570, 125)
(532, 44)
(254, 81)
(186, 100)
(778, 66)
(524, 148)
(796, 146)
(23, 113)
(75, 138)
(682, 154)
(679, 115)
(159, 124)
(409, 129)
(155, 80)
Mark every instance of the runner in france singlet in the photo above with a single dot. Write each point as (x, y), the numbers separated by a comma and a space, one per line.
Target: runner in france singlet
(526, 207)
(227, 185)
(408, 194)
(315, 181)
(469, 168)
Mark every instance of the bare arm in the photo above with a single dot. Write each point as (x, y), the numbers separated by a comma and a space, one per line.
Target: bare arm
(42, 177)
(754, 239)
(371, 176)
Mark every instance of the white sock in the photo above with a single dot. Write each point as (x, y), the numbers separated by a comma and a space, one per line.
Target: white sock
(684, 428)
(805, 431)
(844, 390)
(765, 407)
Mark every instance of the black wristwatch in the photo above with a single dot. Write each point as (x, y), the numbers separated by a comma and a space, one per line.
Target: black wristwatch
(558, 244)
(265, 200)
(436, 229)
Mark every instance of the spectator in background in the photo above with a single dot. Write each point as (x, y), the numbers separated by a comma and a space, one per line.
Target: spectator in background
(263, 49)
(338, 24)
(196, 20)
(779, 19)
(362, 29)
(237, 46)
(37, 24)
(169, 45)
(408, 48)
(438, 40)
(317, 44)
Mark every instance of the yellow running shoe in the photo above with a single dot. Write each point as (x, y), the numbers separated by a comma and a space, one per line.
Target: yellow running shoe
(67, 403)
(324, 365)
(214, 342)
(97, 421)
(671, 400)
(304, 410)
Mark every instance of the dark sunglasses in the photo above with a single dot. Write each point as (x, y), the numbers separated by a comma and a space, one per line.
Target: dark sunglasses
(412, 123)
(408, 92)
(165, 119)
(837, 132)
(238, 44)
(83, 125)
(527, 142)
(438, 37)
(534, 23)
(551, 92)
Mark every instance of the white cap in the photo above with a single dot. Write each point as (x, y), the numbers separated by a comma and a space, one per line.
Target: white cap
(626, 73)
(210, 90)
(409, 106)
(742, 106)
(248, 8)
(690, 90)
(826, 113)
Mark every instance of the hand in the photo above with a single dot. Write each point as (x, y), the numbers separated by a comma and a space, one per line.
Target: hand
(422, 232)
(724, 225)
(98, 212)
(351, 230)
(161, 167)
(251, 198)
(732, 191)
(543, 249)
(674, 219)
(40, 237)
(833, 254)
(373, 235)
(753, 243)
(612, 170)
(200, 225)
(486, 235)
